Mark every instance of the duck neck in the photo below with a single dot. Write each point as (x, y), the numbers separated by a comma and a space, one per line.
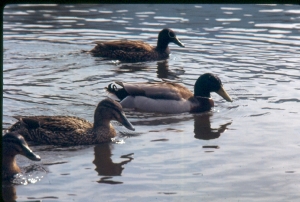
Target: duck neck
(9, 166)
(204, 104)
(104, 130)
(201, 91)
(100, 123)
(162, 45)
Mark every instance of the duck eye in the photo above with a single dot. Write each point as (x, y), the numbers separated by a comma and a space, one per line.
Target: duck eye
(171, 34)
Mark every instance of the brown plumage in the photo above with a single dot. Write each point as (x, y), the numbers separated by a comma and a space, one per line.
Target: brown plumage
(12, 145)
(137, 51)
(69, 130)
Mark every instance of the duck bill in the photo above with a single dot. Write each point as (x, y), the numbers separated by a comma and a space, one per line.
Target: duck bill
(27, 152)
(224, 94)
(125, 122)
(176, 41)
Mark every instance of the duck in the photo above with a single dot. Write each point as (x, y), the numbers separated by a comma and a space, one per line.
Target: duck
(13, 144)
(169, 97)
(137, 51)
(70, 130)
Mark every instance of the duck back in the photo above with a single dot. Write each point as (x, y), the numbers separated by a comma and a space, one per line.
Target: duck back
(58, 130)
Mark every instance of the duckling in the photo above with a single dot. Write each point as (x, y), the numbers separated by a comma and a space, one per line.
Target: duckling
(168, 97)
(137, 51)
(12, 145)
(69, 130)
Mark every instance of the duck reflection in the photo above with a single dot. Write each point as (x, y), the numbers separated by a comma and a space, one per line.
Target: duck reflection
(163, 71)
(203, 130)
(131, 68)
(151, 119)
(8, 191)
(105, 166)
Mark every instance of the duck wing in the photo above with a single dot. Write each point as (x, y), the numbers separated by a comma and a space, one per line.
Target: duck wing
(53, 123)
(58, 130)
(124, 45)
(158, 90)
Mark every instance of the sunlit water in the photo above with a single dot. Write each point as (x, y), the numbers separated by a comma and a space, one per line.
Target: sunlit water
(247, 150)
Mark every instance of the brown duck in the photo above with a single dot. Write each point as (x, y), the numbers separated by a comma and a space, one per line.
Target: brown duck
(69, 130)
(12, 145)
(137, 51)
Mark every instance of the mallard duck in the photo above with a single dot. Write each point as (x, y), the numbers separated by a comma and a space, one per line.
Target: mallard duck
(12, 145)
(168, 97)
(137, 51)
(69, 130)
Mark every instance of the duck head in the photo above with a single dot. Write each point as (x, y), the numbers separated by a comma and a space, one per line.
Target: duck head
(108, 110)
(208, 83)
(12, 145)
(166, 36)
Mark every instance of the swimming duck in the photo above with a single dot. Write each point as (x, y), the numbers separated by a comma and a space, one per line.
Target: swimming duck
(69, 130)
(137, 51)
(168, 97)
(12, 145)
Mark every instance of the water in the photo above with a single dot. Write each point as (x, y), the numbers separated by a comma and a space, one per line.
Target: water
(247, 150)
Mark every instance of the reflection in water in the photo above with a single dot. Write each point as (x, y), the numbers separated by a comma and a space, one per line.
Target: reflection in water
(155, 119)
(8, 191)
(105, 166)
(203, 130)
(131, 68)
(164, 72)
(30, 175)
(163, 69)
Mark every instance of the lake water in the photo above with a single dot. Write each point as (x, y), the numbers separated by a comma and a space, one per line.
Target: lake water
(247, 150)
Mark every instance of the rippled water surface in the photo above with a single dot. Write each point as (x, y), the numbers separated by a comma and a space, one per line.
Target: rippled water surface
(247, 150)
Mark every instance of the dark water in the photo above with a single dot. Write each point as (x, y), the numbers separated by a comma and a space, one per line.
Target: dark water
(247, 150)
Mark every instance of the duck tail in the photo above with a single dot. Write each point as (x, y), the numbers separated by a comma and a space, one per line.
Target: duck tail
(113, 89)
(28, 122)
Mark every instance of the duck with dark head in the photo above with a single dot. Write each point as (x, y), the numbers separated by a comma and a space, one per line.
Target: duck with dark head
(169, 97)
(137, 51)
